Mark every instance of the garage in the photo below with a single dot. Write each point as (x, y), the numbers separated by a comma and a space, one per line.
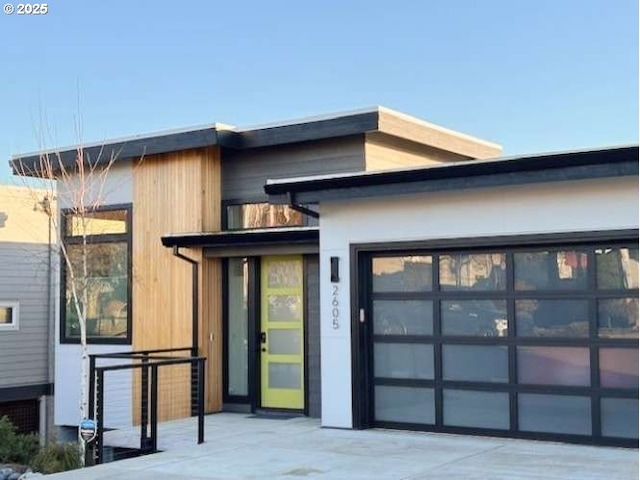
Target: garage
(528, 341)
(495, 297)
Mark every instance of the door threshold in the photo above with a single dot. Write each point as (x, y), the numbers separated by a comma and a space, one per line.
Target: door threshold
(276, 414)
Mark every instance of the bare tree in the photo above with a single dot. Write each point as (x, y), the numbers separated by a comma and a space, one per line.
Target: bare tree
(77, 185)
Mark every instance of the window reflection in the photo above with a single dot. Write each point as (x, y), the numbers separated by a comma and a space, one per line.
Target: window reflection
(618, 318)
(473, 272)
(106, 287)
(554, 366)
(552, 318)
(102, 222)
(619, 367)
(402, 274)
(284, 274)
(565, 269)
(265, 215)
(402, 317)
(284, 308)
(6, 315)
(486, 318)
(617, 268)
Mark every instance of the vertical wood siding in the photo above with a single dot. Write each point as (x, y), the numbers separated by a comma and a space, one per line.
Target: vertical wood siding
(176, 192)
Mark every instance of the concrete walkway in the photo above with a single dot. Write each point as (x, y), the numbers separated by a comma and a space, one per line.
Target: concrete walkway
(238, 446)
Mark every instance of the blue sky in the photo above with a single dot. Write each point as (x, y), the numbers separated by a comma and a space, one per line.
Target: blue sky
(533, 75)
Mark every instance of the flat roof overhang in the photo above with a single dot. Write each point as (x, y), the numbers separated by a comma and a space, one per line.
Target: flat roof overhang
(539, 168)
(222, 242)
(341, 124)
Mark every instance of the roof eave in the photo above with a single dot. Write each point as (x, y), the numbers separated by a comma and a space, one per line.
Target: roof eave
(537, 168)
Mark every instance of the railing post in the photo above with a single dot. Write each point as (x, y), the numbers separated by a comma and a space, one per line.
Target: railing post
(154, 408)
(144, 404)
(89, 452)
(201, 385)
(100, 417)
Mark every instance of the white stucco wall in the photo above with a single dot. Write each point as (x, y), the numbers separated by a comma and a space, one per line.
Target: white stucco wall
(575, 206)
(116, 189)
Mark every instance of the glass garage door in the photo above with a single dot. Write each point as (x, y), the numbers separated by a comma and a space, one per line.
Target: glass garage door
(529, 342)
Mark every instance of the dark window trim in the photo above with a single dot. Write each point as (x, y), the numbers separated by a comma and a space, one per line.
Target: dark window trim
(255, 360)
(255, 201)
(305, 333)
(26, 392)
(362, 384)
(98, 239)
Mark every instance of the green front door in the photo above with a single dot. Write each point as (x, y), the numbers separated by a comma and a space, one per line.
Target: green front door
(282, 332)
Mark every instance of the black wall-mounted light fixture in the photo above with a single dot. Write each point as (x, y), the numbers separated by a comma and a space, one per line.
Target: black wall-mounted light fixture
(335, 269)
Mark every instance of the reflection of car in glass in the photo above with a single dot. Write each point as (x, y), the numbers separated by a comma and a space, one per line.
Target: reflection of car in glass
(474, 317)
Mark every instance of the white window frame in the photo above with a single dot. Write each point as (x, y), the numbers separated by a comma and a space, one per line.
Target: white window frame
(15, 315)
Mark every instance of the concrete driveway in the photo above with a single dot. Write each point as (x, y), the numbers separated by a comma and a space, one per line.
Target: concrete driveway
(238, 446)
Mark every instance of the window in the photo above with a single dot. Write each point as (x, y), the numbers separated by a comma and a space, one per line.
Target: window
(265, 215)
(9, 315)
(107, 284)
(238, 327)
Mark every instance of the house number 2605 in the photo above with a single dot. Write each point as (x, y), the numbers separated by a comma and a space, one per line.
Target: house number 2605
(335, 308)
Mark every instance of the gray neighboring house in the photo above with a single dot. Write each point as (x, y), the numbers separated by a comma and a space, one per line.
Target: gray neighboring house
(26, 373)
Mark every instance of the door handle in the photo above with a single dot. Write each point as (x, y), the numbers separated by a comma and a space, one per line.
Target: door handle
(263, 337)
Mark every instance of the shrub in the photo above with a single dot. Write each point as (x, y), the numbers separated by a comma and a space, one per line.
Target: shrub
(14, 447)
(56, 457)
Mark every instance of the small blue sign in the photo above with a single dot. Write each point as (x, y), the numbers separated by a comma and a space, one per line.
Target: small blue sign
(88, 429)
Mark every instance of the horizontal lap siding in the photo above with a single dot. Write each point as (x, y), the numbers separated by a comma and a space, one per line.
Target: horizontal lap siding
(23, 353)
(245, 172)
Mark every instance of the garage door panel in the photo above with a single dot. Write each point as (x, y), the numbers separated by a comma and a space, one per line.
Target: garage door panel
(538, 342)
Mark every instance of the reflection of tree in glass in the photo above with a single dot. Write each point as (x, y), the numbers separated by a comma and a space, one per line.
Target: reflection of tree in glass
(618, 317)
(617, 268)
(284, 308)
(481, 271)
(417, 274)
(260, 215)
(285, 274)
(106, 287)
(551, 270)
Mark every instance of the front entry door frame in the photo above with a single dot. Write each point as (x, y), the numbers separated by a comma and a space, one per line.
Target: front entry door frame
(279, 399)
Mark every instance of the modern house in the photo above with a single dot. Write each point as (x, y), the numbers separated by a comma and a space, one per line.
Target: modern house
(26, 325)
(200, 192)
(290, 281)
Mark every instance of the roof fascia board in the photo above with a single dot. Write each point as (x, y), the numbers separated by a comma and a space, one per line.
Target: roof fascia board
(134, 148)
(526, 163)
(246, 237)
(304, 131)
(409, 128)
(629, 168)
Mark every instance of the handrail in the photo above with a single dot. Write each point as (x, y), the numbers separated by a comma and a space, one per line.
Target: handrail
(140, 352)
(175, 361)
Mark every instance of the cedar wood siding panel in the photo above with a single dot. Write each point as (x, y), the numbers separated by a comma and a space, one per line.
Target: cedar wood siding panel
(245, 172)
(384, 152)
(176, 192)
(23, 352)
